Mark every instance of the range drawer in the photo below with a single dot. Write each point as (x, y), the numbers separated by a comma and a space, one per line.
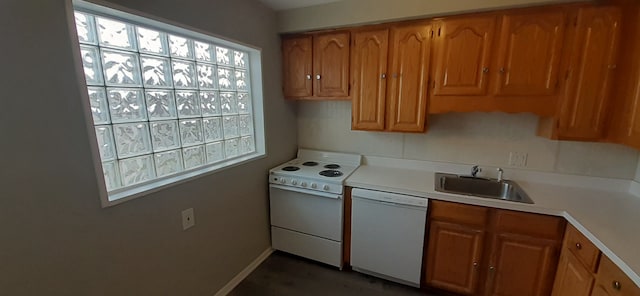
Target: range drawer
(582, 248)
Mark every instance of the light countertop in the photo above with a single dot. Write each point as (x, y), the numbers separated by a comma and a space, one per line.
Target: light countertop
(604, 210)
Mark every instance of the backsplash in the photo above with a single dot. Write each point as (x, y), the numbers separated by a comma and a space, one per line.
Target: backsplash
(465, 138)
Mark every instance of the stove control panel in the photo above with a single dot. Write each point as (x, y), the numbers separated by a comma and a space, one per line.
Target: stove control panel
(306, 183)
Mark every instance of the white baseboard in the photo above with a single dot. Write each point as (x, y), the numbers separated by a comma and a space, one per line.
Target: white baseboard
(244, 273)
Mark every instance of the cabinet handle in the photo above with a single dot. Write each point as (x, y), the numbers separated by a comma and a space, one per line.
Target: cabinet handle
(317, 76)
(485, 70)
(308, 77)
(383, 76)
(616, 285)
(578, 246)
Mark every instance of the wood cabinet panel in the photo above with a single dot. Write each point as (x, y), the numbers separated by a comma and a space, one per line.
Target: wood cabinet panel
(453, 257)
(522, 265)
(409, 64)
(610, 280)
(528, 58)
(459, 213)
(593, 60)
(331, 64)
(297, 63)
(368, 76)
(463, 48)
(582, 248)
(572, 278)
(534, 225)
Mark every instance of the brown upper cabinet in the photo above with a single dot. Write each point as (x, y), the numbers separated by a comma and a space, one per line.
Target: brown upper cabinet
(389, 74)
(508, 62)
(316, 66)
(595, 34)
(462, 55)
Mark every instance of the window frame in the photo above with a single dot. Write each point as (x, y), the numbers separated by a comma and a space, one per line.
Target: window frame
(130, 16)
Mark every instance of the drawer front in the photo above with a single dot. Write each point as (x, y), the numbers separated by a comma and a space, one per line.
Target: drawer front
(582, 248)
(612, 280)
(534, 225)
(458, 213)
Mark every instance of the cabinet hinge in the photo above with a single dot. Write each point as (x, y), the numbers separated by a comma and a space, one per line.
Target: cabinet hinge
(433, 83)
(431, 34)
(557, 83)
(439, 31)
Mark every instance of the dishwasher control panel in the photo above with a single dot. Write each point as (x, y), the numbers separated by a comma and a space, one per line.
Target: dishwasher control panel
(389, 197)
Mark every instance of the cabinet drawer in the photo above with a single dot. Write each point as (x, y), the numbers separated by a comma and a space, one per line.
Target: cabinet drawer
(459, 213)
(535, 225)
(613, 281)
(582, 248)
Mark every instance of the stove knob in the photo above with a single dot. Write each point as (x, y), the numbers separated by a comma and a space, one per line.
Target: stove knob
(303, 184)
(283, 181)
(325, 187)
(294, 182)
(314, 185)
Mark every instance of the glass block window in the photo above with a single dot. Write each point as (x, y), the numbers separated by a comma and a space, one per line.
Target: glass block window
(163, 102)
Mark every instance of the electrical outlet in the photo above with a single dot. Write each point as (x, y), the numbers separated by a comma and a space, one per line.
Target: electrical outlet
(188, 219)
(518, 159)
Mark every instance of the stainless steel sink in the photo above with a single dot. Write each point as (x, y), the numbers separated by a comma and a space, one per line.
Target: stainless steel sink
(482, 187)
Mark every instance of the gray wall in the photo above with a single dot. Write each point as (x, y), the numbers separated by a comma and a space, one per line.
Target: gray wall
(55, 239)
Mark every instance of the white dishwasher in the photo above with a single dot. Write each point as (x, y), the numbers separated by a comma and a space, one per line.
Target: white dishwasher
(387, 235)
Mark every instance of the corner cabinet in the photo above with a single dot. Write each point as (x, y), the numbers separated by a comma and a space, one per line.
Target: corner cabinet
(316, 66)
(475, 250)
(390, 77)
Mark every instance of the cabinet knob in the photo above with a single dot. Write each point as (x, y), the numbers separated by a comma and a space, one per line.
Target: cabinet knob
(383, 76)
(616, 285)
(502, 70)
(611, 67)
(475, 265)
(485, 70)
(492, 269)
(578, 246)
(308, 77)
(317, 76)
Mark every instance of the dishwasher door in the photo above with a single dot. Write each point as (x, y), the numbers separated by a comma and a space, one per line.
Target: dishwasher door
(387, 238)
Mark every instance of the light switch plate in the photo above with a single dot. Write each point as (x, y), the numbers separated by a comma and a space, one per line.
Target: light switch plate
(518, 159)
(188, 219)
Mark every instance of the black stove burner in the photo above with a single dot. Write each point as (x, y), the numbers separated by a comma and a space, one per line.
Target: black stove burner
(310, 163)
(332, 166)
(331, 173)
(290, 168)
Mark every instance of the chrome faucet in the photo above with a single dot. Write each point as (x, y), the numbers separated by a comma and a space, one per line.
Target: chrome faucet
(475, 170)
(500, 172)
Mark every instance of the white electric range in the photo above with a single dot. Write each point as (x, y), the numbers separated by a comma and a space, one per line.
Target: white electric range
(306, 202)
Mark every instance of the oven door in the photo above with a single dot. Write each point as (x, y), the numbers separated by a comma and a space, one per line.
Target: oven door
(306, 211)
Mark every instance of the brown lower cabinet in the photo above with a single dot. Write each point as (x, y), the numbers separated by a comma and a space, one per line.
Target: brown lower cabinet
(473, 250)
(584, 271)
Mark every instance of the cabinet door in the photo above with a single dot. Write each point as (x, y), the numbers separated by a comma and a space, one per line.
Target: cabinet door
(331, 64)
(572, 278)
(592, 64)
(521, 266)
(611, 280)
(462, 53)
(453, 257)
(529, 53)
(368, 75)
(296, 60)
(407, 93)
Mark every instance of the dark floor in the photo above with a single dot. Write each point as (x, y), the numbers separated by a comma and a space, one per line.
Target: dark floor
(287, 275)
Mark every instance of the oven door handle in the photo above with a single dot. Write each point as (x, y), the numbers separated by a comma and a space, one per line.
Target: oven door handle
(307, 191)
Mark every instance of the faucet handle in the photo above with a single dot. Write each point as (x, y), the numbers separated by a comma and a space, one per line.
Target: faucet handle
(475, 170)
(500, 172)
